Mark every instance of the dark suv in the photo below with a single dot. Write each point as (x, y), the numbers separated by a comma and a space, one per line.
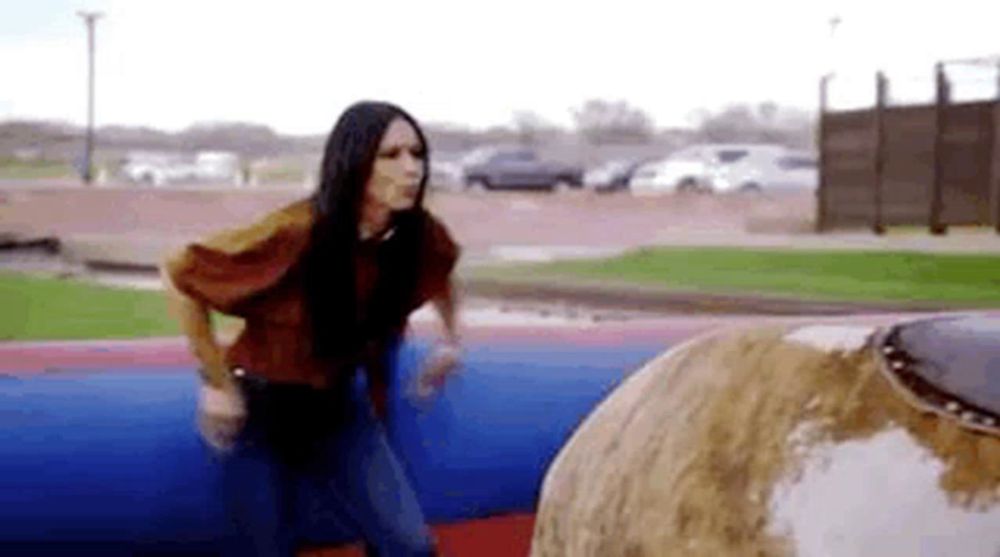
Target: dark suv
(496, 168)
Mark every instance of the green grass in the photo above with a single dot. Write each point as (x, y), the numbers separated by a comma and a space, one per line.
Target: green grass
(13, 169)
(966, 280)
(47, 308)
(43, 308)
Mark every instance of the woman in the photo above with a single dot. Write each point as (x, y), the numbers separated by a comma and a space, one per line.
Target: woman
(325, 287)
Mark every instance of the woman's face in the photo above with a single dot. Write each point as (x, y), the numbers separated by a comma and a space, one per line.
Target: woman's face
(398, 168)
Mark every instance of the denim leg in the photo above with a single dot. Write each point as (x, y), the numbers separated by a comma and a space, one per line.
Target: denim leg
(359, 472)
(256, 492)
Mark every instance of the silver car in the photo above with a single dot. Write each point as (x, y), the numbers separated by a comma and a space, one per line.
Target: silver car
(517, 168)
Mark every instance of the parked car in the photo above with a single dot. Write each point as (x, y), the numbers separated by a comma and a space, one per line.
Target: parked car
(728, 167)
(613, 175)
(769, 170)
(153, 168)
(217, 166)
(160, 168)
(446, 173)
(517, 168)
(678, 172)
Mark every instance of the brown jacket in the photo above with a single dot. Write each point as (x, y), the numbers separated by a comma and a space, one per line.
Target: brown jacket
(255, 273)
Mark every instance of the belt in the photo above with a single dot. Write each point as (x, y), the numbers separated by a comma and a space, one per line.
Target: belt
(258, 385)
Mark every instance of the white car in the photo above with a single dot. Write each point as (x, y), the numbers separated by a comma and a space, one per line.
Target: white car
(154, 168)
(678, 172)
(785, 170)
(158, 168)
(446, 174)
(217, 166)
(730, 167)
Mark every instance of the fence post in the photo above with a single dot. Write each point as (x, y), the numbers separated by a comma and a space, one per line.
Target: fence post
(937, 195)
(878, 226)
(995, 159)
(821, 189)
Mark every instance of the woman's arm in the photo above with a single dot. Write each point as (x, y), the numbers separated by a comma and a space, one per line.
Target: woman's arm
(446, 306)
(445, 357)
(196, 324)
(221, 409)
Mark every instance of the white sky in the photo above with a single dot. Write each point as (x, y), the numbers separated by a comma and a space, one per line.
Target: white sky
(295, 65)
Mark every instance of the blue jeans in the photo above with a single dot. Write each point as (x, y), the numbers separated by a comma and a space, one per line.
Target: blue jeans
(311, 461)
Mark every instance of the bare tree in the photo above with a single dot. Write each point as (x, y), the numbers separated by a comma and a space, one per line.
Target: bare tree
(530, 126)
(245, 138)
(762, 123)
(602, 121)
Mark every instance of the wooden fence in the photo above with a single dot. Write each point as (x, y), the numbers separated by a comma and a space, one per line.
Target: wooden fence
(936, 165)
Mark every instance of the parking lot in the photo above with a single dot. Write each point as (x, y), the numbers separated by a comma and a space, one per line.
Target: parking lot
(485, 223)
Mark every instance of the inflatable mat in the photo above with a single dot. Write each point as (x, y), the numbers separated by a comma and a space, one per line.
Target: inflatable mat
(99, 454)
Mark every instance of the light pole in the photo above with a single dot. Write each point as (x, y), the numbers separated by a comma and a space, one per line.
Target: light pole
(834, 22)
(90, 18)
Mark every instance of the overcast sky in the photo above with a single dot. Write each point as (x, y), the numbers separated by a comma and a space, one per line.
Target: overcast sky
(295, 65)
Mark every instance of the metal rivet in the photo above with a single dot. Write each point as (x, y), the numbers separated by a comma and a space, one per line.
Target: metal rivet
(969, 416)
(952, 406)
(888, 349)
(989, 422)
(898, 364)
(239, 372)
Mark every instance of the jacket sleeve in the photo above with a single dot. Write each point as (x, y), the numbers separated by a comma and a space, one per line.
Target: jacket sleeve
(227, 270)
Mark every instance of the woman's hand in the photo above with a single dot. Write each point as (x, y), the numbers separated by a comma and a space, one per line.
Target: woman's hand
(221, 414)
(221, 409)
(443, 361)
(445, 358)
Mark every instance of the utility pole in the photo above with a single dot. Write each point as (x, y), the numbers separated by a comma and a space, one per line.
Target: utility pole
(90, 18)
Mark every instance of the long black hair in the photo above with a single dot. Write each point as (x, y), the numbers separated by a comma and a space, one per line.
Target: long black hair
(339, 325)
